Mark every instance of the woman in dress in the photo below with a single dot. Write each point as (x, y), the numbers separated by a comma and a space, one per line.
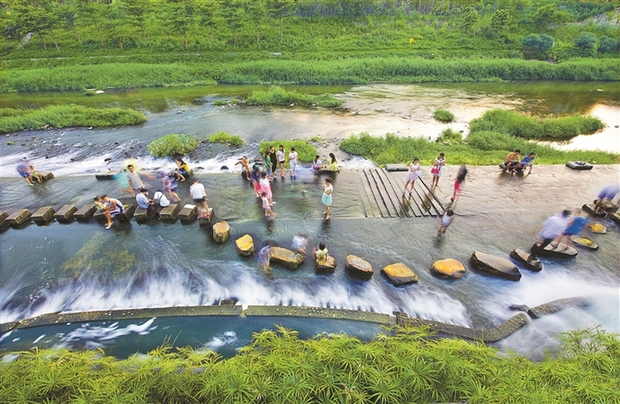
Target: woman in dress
(328, 188)
(412, 175)
(265, 186)
(333, 163)
(437, 169)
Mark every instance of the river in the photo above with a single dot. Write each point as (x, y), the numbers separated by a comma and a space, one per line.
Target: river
(84, 267)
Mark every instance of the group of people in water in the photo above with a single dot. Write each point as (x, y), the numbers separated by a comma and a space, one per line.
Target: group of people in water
(28, 172)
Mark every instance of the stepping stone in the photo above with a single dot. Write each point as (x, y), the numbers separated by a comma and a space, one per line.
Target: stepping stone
(529, 261)
(245, 245)
(46, 176)
(65, 214)
(128, 212)
(358, 267)
(188, 214)
(43, 215)
(169, 213)
(615, 217)
(399, 274)
(396, 167)
(107, 175)
(221, 232)
(584, 242)
(204, 221)
(19, 217)
(3, 224)
(448, 268)
(285, 257)
(141, 215)
(495, 266)
(562, 251)
(326, 267)
(597, 227)
(85, 213)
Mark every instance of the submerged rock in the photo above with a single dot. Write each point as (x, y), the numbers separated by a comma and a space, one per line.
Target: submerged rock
(448, 268)
(358, 267)
(285, 257)
(221, 231)
(496, 266)
(245, 245)
(399, 274)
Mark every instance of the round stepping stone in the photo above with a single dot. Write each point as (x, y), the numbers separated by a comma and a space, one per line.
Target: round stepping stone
(496, 266)
(399, 274)
(245, 245)
(358, 267)
(285, 257)
(448, 268)
(221, 232)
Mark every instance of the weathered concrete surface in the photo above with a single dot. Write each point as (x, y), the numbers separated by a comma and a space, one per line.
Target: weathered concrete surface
(399, 274)
(188, 214)
(65, 214)
(142, 216)
(85, 213)
(562, 251)
(3, 223)
(204, 221)
(326, 267)
(221, 232)
(396, 167)
(170, 213)
(557, 305)
(496, 266)
(286, 258)
(19, 217)
(43, 215)
(319, 312)
(528, 260)
(448, 268)
(358, 267)
(245, 245)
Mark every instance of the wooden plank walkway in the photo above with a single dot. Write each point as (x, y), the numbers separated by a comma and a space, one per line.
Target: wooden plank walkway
(382, 195)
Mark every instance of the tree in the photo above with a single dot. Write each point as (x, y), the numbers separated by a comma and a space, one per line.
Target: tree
(209, 15)
(235, 16)
(536, 46)
(586, 44)
(469, 19)
(181, 17)
(500, 20)
(67, 13)
(280, 9)
(136, 11)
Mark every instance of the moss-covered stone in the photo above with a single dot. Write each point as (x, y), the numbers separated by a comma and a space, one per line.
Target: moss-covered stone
(221, 232)
(286, 257)
(245, 245)
(43, 215)
(19, 217)
(65, 214)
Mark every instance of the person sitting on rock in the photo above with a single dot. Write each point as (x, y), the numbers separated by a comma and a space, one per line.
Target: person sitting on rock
(102, 207)
(300, 243)
(606, 196)
(527, 162)
(182, 170)
(245, 165)
(144, 202)
(512, 160)
(114, 207)
(320, 254)
(36, 175)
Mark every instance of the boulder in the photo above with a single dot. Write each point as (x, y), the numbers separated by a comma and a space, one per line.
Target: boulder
(46, 176)
(399, 274)
(188, 214)
(245, 245)
(18, 217)
(561, 251)
(529, 261)
(496, 266)
(43, 215)
(221, 231)
(287, 258)
(85, 213)
(65, 214)
(358, 267)
(326, 267)
(448, 268)
(169, 213)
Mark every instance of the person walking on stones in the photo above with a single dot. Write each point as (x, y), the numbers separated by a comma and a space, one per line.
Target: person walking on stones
(23, 168)
(445, 222)
(292, 160)
(268, 165)
(412, 175)
(553, 227)
(437, 169)
(135, 180)
(281, 159)
(199, 196)
(264, 256)
(265, 187)
(274, 160)
(326, 198)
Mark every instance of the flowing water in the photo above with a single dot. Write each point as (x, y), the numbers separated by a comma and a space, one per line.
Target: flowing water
(80, 266)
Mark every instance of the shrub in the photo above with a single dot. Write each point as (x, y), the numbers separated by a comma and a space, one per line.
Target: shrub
(172, 145)
(607, 44)
(225, 138)
(279, 96)
(443, 115)
(306, 152)
(586, 44)
(449, 137)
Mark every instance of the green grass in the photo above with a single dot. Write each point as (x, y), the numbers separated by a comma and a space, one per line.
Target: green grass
(403, 366)
(63, 116)
(226, 138)
(306, 152)
(172, 145)
(443, 115)
(279, 96)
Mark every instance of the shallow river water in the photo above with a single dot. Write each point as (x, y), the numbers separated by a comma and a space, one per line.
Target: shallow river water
(85, 267)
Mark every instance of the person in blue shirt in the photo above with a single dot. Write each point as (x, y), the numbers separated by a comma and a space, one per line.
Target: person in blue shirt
(575, 226)
(527, 161)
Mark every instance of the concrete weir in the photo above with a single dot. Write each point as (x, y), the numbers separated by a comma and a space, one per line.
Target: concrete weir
(487, 335)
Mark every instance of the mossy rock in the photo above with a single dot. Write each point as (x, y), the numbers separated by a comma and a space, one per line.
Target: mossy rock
(285, 257)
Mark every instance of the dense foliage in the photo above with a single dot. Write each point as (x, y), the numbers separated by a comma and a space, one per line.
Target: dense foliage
(172, 145)
(226, 138)
(306, 152)
(63, 116)
(443, 115)
(279, 96)
(278, 367)
(513, 123)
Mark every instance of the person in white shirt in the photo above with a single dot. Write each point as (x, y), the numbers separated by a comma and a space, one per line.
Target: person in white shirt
(281, 159)
(199, 196)
(292, 160)
(160, 200)
(553, 227)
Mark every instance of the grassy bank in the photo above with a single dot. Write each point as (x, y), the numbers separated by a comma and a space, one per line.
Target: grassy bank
(63, 116)
(480, 148)
(345, 71)
(278, 367)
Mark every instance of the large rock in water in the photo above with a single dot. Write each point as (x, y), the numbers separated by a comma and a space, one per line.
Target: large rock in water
(285, 257)
(245, 245)
(529, 261)
(399, 274)
(496, 266)
(328, 266)
(358, 267)
(221, 231)
(448, 268)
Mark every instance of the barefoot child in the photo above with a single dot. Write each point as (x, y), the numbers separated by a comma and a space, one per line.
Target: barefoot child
(446, 221)
(266, 204)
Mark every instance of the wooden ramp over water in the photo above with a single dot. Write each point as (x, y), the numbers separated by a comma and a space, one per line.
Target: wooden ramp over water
(382, 195)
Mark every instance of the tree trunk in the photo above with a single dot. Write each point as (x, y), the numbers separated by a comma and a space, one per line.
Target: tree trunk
(77, 35)
(281, 31)
(143, 31)
(185, 39)
(42, 40)
(235, 39)
(54, 39)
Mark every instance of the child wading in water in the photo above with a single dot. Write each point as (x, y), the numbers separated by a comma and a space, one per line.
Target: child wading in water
(446, 220)
(266, 205)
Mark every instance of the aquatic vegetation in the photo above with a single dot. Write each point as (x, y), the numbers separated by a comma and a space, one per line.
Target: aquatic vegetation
(226, 138)
(63, 116)
(279, 96)
(443, 115)
(479, 148)
(172, 145)
(513, 123)
(306, 152)
(403, 365)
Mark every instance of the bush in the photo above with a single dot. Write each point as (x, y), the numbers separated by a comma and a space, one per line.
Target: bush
(226, 138)
(172, 145)
(443, 115)
(306, 152)
(279, 96)
(449, 137)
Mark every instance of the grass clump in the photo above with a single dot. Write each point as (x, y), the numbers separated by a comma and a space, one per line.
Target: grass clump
(172, 145)
(306, 152)
(443, 115)
(226, 138)
(513, 123)
(63, 116)
(449, 137)
(279, 96)
(277, 366)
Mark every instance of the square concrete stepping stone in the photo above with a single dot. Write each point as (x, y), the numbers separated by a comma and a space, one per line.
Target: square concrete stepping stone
(204, 221)
(188, 214)
(85, 213)
(65, 214)
(43, 215)
(19, 217)
(3, 223)
(399, 274)
(170, 213)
